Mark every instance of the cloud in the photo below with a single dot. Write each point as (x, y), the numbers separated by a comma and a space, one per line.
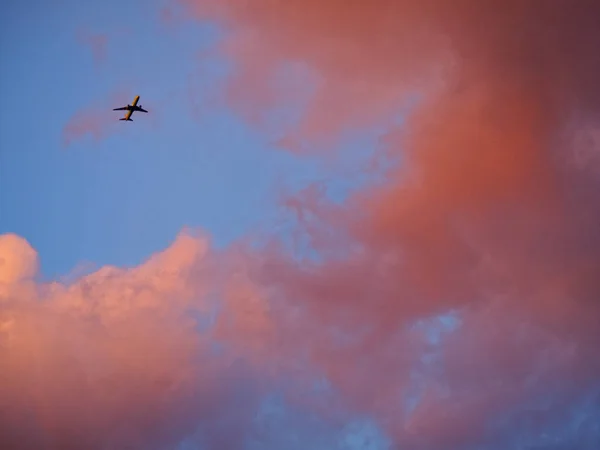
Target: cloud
(18, 260)
(181, 349)
(491, 214)
(375, 55)
(115, 359)
(95, 119)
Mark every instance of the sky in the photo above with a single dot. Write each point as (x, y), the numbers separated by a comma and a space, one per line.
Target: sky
(95, 58)
(341, 225)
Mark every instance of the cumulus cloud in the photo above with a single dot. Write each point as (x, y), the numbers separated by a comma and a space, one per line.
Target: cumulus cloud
(117, 359)
(18, 260)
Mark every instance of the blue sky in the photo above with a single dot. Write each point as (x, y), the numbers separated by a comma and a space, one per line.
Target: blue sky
(117, 200)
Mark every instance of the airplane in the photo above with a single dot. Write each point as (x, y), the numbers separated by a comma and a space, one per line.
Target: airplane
(130, 109)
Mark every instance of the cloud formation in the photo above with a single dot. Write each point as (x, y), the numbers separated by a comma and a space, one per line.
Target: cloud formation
(180, 350)
(116, 359)
(457, 304)
(492, 213)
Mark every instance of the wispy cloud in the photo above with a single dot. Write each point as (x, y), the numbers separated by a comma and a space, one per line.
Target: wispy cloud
(97, 119)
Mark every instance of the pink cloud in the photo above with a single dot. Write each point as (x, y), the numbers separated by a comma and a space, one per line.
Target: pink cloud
(114, 358)
(98, 120)
(486, 215)
(93, 121)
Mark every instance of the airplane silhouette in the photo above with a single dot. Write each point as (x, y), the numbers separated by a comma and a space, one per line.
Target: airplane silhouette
(130, 109)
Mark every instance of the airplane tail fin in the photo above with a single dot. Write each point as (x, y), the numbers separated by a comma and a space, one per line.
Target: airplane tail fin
(129, 120)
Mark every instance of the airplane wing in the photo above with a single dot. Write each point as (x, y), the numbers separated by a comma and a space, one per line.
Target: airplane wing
(139, 108)
(124, 108)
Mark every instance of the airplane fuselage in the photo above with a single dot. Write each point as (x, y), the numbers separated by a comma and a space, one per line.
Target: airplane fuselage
(131, 108)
